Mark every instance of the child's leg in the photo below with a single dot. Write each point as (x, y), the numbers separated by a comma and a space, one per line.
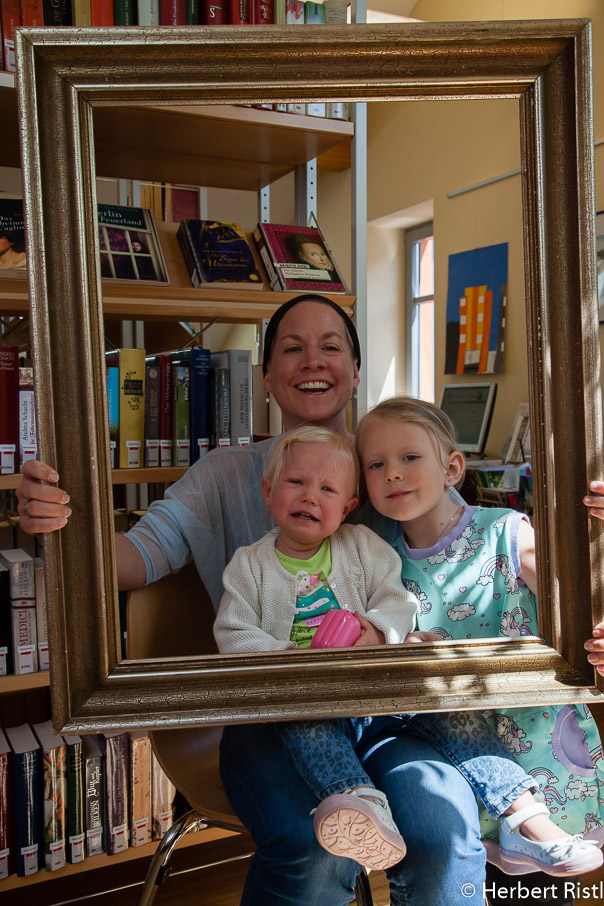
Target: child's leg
(324, 755)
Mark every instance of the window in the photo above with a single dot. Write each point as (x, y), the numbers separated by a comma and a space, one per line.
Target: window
(419, 243)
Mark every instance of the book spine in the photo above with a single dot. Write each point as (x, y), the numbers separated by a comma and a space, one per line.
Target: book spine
(32, 13)
(55, 806)
(112, 366)
(221, 407)
(152, 410)
(165, 415)
(216, 12)
(162, 795)
(240, 380)
(81, 13)
(132, 408)
(29, 821)
(27, 417)
(6, 625)
(57, 12)
(25, 648)
(94, 791)
(192, 12)
(75, 848)
(124, 12)
(336, 12)
(9, 410)
(314, 13)
(102, 13)
(181, 410)
(10, 16)
(41, 619)
(264, 12)
(7, 846)
(200, 402)
(263, 251)
(276, 280)
(183, 234)
(117, 783)
(240, 12)
(148, 12)
(140, 790)
(172, 12)
(280, 19)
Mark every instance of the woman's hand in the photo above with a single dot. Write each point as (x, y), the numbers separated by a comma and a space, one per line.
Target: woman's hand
(595, 646)
(420, 635)
(42, 507)
(595, 500)
(369, 634)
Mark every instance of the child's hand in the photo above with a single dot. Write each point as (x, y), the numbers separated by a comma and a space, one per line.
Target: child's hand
(369, 634)
(420, 635)
(595, 501)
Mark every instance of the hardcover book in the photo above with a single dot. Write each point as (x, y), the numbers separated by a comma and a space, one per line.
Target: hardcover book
(28, 787)
(41, 621)
(172, 12)
(192, 12)
(314, 13)
(200, 402)
(264, 12)
(158, 409)
(129, 246)
(75, 830)
(54, 767)
(125, 12)
(238, 362)
(102, 13)
(27, 416)
(147, 12)
(162, 795)
(57, 12)
(140, 788)
(81, 13)
(220, 403)
(21, 572)
(32, 13)
(336, 12)
(129, 438)
(6, 627)
(217, 252)
(9, 409)
(300, 258)
(25, 637)
(117, 783)
(216, 12)
(10, 18)
(240, 12)
(94, 795)
(7, 810)
(181, 408)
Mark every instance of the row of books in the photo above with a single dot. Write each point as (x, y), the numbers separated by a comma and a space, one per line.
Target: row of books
(172, 408)
(67, 798)
(23, 624)
(84, 13)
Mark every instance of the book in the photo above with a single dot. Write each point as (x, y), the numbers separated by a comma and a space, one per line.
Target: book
(238, 362)
(192, 12)
(152, 409)
(162, 798)
(10, 18)
(20, 567)
(41, 620)
(217, 252)
(32, 13)
(94, 795)
(6, 626)
(314, 13)
(128, 434)
(124, 12)
(181, 408)
(263, 12)
(200, 402)
(117, 781)
(140, 788)
(158, 371)
(220, 402)
(240, 12)
(9, 410)
(75, 849)
(54, 769)
(336, 12)
(81, 13)
(101, 13)
(129, 246)
(148, 12)
(25, 636)
(28, 789)
(172, 12)
(27, 417)
(7, 809)
(216, 12)
(12, 236)
(300, 258)
(57, 12)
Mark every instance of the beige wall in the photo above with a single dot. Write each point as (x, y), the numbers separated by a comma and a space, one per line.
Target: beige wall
(422, 151)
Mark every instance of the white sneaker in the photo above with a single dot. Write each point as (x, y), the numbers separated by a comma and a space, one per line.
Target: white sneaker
(358, 825)
(564, 856)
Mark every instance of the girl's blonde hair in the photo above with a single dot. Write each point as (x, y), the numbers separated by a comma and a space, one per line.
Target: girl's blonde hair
(408, 409)
(341, 447)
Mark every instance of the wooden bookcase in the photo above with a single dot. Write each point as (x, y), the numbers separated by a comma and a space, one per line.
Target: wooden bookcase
(249, 149)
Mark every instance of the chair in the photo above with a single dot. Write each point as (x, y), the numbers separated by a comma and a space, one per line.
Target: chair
(173, 618)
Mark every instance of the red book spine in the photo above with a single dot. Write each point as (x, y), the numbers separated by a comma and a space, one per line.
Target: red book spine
(9, 410)
(172, 12)
(264, 12)
(7, 848)
(241, 13)
(101, 13)
(11, 19)
(32, 12)
(216, 12)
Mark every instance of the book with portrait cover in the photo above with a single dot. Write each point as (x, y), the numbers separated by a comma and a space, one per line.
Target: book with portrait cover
(12, 238)
(54, 769)
(217, 252)
(299, 258)
(7, 811)
(129, 246)
(29, 811)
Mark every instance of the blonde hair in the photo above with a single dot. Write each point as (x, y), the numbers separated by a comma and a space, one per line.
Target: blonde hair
(408, 409)
(341, 447)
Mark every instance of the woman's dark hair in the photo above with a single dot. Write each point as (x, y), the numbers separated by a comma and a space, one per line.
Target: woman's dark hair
(16, 239)
(273, 324)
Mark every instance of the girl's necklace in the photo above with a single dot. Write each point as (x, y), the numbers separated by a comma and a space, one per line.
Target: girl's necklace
(457, 512)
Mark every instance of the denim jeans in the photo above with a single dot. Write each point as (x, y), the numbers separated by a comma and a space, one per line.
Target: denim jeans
(324, 753)
(432, 804)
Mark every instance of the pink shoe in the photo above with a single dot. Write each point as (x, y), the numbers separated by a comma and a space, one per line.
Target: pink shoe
(358, 825)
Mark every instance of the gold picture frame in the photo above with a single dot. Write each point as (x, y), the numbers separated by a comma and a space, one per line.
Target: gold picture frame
(62, 74)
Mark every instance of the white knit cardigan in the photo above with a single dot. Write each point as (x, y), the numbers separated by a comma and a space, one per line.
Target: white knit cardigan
(256, 612)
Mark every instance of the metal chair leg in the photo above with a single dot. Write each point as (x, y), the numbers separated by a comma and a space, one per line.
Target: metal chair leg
(362, 890)
(159, 868)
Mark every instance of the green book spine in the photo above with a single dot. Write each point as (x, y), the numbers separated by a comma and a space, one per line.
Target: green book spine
(125, 12)
(74, 844)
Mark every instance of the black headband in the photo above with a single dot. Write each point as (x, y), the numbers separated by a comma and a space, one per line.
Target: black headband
(273, 324)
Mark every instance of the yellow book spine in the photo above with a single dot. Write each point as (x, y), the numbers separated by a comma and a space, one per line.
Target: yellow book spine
(132, 408)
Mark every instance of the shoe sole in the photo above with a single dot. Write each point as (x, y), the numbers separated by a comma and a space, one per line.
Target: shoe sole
(578, 866)
(354, 833)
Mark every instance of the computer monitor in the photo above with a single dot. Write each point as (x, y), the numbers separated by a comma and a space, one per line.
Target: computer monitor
(470, 408)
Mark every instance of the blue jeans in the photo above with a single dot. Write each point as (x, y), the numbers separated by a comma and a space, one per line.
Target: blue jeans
(432, 804)
(324, 753)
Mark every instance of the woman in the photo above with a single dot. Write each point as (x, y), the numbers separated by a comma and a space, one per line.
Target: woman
(311, 366)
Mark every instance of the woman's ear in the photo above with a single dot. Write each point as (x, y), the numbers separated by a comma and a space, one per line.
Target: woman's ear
(455, 468)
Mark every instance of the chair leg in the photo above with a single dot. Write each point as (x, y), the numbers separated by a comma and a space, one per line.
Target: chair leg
(159, 868)
(362, 890)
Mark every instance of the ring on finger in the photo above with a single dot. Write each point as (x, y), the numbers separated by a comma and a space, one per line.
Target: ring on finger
(25, 505)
